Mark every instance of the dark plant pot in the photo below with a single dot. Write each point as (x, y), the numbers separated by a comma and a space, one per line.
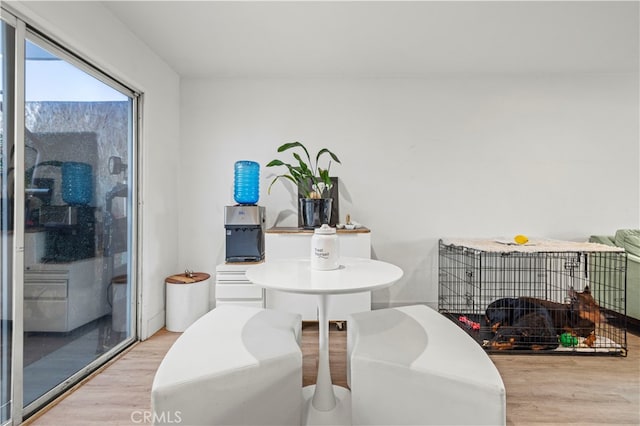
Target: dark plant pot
(314, 212)
(305, 187)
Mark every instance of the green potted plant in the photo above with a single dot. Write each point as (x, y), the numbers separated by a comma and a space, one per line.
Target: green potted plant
(313, 182)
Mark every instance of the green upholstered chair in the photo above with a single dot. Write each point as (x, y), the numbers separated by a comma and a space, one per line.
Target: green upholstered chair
(629, 239)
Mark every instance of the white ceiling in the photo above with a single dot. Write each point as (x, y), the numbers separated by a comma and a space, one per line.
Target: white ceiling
(385, 38)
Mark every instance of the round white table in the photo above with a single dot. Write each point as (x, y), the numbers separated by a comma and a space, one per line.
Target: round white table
(324, 402)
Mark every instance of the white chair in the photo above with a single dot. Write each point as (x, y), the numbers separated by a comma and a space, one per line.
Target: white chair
(234, 366)
(412, 366)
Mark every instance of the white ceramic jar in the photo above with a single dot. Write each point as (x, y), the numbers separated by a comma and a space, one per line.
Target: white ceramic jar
(325, 250)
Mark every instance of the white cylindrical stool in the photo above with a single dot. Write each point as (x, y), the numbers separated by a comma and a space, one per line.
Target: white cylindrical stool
(187, 299)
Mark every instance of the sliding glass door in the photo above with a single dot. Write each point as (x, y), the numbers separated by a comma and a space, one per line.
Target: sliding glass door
(77, 147)
(67, 300)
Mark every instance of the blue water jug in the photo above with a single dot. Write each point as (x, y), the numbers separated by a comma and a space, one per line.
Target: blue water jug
(246, 182)
(77, 183)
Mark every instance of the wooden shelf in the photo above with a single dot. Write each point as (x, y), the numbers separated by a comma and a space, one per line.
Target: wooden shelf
(294, 230)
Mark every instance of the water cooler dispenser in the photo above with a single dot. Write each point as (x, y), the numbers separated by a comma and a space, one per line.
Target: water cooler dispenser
(244, 222)
(244, 228)
(70, 228)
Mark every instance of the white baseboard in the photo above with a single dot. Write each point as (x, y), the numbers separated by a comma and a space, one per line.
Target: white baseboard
(384, 305)
(153, 325)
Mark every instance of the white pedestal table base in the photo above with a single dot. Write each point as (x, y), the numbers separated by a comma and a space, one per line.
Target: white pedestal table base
(340, 415)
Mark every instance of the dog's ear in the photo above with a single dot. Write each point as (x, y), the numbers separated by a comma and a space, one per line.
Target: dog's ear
(587, 290)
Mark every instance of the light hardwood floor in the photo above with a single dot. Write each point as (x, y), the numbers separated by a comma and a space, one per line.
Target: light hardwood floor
(549, 389)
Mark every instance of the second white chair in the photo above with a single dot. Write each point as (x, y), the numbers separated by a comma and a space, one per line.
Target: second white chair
(413, 366)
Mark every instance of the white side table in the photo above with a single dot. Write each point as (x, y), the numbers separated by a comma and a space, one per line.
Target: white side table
(187, 299)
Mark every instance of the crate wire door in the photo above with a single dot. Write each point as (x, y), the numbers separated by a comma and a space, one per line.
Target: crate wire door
(471, 278)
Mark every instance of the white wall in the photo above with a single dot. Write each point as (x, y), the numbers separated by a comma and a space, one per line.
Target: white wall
(91, 30)
(475, 155)
(484, 155)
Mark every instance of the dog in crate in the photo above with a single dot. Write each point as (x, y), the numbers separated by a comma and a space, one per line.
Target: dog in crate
(536, 324)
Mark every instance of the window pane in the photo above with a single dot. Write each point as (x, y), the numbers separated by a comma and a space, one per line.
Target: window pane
(77, 219)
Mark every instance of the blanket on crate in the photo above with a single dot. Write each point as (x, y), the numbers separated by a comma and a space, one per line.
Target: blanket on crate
(503, 245)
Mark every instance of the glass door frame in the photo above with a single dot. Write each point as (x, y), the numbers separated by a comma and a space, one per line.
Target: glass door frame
(17, 346)
(24, 32)
(7, 251)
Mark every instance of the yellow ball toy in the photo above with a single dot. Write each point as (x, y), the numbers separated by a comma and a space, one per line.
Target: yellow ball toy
(521, 239)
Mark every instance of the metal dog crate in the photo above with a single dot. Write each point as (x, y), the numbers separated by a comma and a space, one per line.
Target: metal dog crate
(475, 275)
